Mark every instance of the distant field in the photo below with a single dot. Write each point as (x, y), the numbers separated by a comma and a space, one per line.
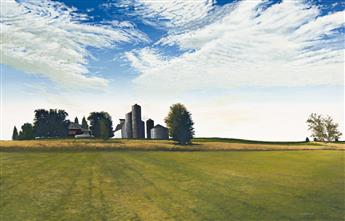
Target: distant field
(199, 144)
(161, 185)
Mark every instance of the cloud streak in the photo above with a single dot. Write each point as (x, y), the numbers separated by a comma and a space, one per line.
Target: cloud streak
(250, 44)
(51, 40)
(172, 14)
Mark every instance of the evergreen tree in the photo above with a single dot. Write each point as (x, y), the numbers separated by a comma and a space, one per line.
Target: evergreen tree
(180, 124)
(84, 124)
(15, 133)
(76, 120)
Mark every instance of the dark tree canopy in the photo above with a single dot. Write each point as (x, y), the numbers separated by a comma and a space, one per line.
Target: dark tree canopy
(15, 134)
(180, 124)
(51, 123)
(76, 120)
(84, 124)
(104, 129)
(27, 132)
(99, 120)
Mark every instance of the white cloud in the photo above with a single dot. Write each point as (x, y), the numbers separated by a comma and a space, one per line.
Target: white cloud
(171, 14)
(287, 44)
(47, 38)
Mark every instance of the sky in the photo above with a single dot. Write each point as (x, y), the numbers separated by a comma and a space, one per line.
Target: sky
(251, 69)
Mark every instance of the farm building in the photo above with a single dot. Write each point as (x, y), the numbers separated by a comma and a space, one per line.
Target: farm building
(159, 132)
(75, 130)
(132, 127)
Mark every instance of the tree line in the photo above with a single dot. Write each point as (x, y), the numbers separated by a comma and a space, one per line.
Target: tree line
(53, 123)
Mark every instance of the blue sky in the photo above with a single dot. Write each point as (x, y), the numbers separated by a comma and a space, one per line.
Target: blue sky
(246, 69)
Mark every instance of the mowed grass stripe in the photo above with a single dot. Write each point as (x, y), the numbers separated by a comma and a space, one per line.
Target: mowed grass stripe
(282, 185)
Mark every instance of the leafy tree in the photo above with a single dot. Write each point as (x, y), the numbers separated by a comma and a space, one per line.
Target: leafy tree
(15, 133)
(84, 124)
(332, 132)
(27, 132)
(95, 125)
(51, 123)
(180, 124)
(41, 123)
(76, 120)
(104, 129)
(323, 129)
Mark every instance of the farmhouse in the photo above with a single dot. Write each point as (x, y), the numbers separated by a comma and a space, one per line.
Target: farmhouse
(75, 130)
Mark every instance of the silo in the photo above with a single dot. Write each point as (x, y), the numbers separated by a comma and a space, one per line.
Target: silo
(159, 133)
(149, 125)
(128, 126)
(122, 125)
(136, 121)
(142, 130)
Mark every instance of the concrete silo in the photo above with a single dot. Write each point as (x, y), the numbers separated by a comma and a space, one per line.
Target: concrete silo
(159, 133)
(128, 126)
(149, 125)
(122, 126)
(142, 130)
(136, 121)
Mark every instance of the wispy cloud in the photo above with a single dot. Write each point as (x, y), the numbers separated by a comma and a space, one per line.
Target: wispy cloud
(285, 44)
(171, 14)
(47, 38)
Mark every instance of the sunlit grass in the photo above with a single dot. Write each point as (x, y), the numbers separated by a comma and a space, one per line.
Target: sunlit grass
(160, 185)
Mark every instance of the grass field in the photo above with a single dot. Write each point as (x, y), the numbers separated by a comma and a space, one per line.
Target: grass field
(199, 144)
(165, 185)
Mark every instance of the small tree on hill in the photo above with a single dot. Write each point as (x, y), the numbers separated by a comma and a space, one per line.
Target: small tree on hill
(15, 133)
(84, 123)
(323, 129)
(180, 124)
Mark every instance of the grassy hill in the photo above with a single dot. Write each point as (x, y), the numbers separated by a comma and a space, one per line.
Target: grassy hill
(103, 180)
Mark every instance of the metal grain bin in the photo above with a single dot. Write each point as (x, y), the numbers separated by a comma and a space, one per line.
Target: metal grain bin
(159, 133)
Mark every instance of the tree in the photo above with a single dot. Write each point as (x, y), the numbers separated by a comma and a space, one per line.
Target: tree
(332, 132)
(84, 124)
(76, 120)
(15, 133)
(95, 125)
(41, 123)
(307, 139)
(51, 123)
(27, 132)
(323, 129)
(180, 124)
(104, 129)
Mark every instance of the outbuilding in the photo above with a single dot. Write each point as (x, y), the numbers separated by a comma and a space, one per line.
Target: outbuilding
(159, 133)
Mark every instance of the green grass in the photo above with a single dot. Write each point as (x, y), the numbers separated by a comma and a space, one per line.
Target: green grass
(156, 185)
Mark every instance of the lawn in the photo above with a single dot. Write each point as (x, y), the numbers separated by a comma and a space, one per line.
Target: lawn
(165, 185)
